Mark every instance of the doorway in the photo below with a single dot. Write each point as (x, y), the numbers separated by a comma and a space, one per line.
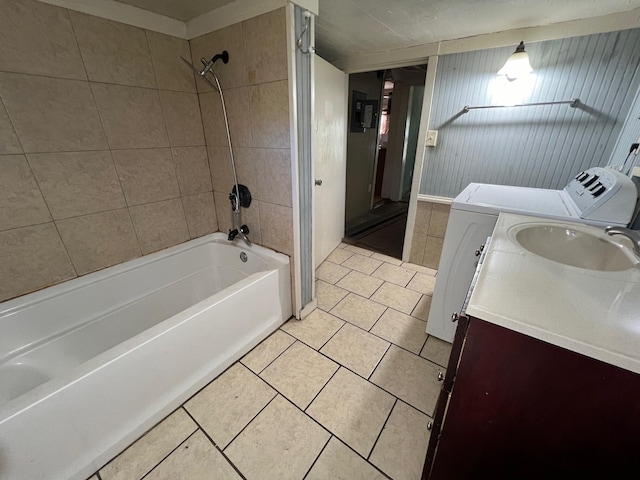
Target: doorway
(381, 153)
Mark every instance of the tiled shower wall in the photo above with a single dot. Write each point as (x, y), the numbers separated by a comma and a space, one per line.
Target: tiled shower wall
(103, 154)
(256, 93)
(102, 151)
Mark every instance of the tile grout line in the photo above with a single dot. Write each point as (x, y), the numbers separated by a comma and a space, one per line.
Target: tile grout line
(216, 446)
(382, 430)
(321, 389)
(277, 393)
(169, 454)
(319, 455)
(276, 358)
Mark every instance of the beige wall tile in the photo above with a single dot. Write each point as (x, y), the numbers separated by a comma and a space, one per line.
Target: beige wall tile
(100, 240)
(245, 160)
(223, 211)
(21, 202)
(201, 214)
(281, 442)
(52, 115)
(270, 122)
(339, 408)
(182, 116)
(276, 227)
(340, 462)
(112, 51)
(159, 225)
(9, 143)
(232, 74)
(418, 242)
(400, 451)
(171, 72)
(251, 218)
(147, 175)
(132, 117)
(299, 374)
(272, 173)
(225, 406)
(195, 458)
(265, 47)
(267, 351)
(432, 252)
(192, 169)
(355, 349)
(238, 113)
(77, 183)
(142, 456)
(423, 217)
(439, 219)
(37, 38)
(32, 258)
(221, 170)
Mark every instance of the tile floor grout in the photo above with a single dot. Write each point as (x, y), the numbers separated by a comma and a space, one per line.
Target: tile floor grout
(298, 336)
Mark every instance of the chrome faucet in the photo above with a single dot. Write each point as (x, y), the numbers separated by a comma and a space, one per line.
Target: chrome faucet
(632, 235)
(244, 232)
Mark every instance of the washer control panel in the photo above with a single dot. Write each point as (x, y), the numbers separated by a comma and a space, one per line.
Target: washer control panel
(603, 194)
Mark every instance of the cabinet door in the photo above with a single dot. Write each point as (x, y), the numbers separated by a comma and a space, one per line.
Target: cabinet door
(522, 408)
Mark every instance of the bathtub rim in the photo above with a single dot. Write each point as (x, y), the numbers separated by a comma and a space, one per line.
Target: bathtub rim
(8, 307)
(49, 388)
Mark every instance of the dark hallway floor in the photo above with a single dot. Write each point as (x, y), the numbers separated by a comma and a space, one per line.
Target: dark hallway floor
(382, 229)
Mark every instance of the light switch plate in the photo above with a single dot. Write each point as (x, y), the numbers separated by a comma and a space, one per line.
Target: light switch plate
(432, 138)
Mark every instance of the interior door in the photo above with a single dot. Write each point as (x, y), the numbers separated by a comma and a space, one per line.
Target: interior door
(329, 157)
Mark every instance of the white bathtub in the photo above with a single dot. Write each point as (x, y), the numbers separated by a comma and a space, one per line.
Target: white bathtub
(88, 366)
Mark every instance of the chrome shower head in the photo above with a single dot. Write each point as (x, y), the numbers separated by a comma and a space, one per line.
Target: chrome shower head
(200, 73)
(208, 66)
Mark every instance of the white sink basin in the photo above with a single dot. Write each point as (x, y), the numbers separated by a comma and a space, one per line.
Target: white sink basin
(574, 246)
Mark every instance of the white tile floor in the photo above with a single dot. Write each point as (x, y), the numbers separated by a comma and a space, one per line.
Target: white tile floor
(345, 394)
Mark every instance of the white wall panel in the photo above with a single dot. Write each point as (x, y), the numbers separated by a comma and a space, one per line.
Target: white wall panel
(541, 146)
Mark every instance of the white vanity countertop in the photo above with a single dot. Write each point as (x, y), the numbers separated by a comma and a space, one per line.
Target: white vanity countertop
(589, 312)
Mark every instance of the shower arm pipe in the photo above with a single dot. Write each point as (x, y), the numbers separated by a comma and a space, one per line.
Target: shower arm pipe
(236, 205)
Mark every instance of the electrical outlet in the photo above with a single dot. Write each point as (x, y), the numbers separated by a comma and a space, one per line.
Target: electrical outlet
(432, 138)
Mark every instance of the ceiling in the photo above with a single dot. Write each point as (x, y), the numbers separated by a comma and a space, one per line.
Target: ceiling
(349, 28)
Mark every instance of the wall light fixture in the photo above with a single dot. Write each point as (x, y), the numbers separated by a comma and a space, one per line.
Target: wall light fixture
(517, 65)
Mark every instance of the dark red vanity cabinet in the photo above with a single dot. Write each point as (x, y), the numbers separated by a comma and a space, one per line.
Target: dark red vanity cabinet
(515, 407)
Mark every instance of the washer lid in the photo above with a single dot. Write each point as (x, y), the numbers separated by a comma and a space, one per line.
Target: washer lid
(492, 199)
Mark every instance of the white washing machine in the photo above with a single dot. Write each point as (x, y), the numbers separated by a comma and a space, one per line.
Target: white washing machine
(597, 196)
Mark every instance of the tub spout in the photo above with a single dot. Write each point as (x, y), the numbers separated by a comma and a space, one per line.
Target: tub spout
(244, 233)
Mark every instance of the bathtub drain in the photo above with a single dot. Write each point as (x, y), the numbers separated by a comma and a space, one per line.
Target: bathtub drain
(243, 256)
